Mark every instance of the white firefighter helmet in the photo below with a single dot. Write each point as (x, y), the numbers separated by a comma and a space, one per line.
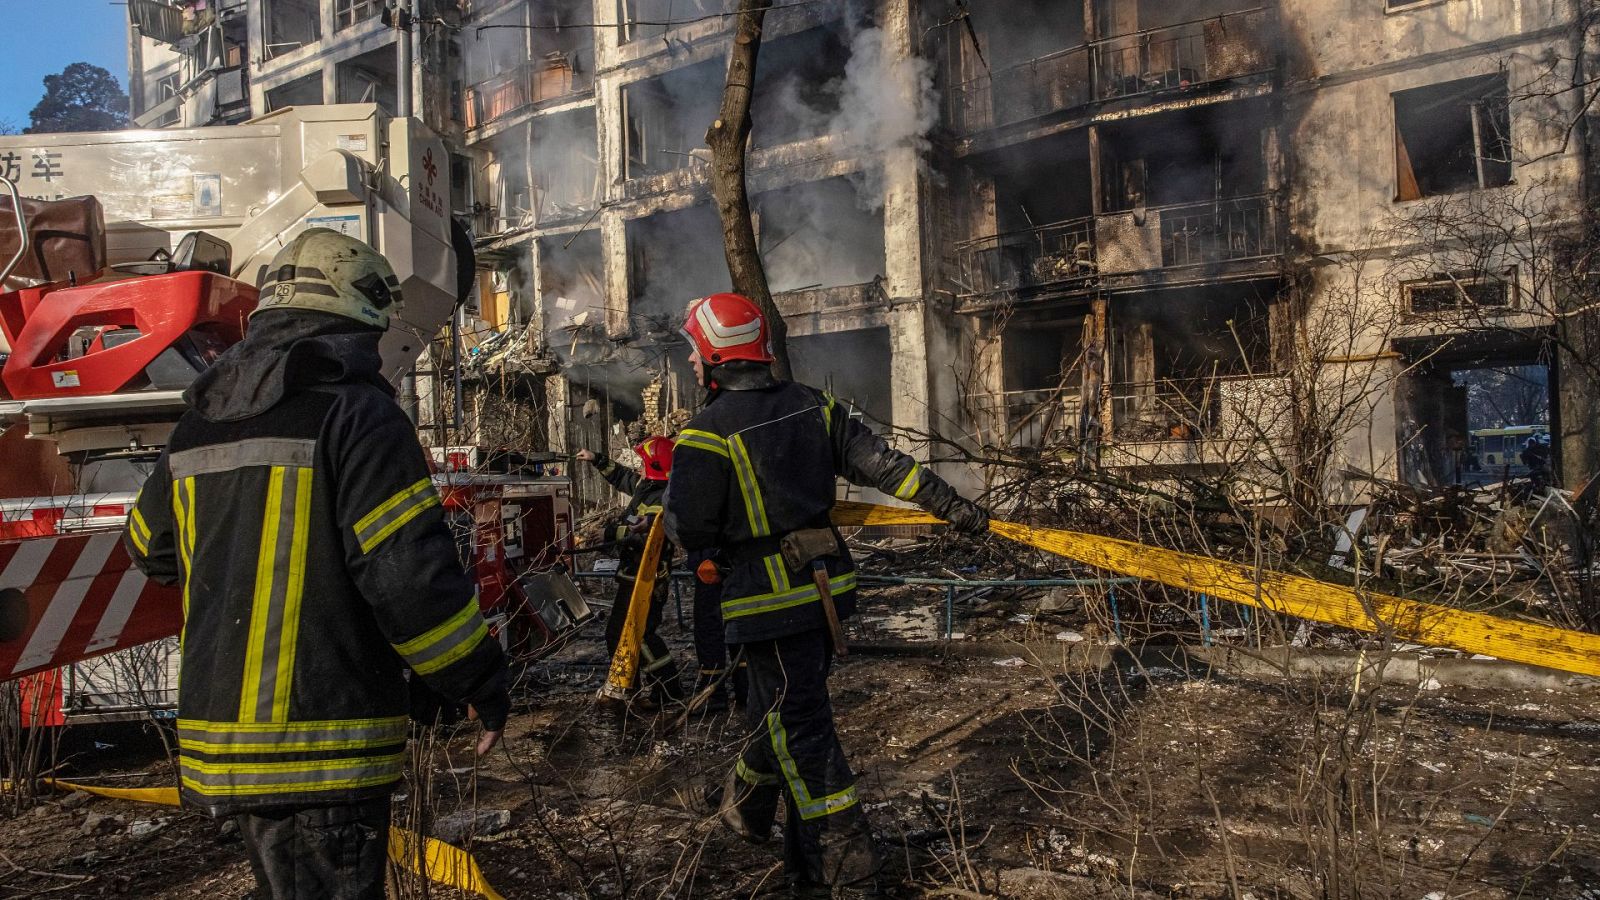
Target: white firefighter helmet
(324, 270)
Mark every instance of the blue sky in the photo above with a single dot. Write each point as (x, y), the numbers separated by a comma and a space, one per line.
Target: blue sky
(42, 38)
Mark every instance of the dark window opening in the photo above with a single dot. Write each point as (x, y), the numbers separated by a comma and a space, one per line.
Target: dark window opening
(572, 291)
(290, 25)
(673, 257)
(1189, 156)
(797, 85)
(819, 235)
(305, 91)
(643, 19)
(667, 117)
(567, 173)
(1043, 230)
(369, 78)
(528, 54)
(1452, 137)
(1477, 422)
(864, 384)
(1460, 291)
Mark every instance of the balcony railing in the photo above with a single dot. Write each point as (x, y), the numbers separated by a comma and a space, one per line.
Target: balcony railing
(1242, 409)
(1219, 231)
(528, 84)
(1050, 254)
(1038, 87)
(1173, 57)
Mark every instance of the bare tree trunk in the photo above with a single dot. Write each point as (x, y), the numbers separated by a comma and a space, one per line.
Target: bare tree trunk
(727, 138)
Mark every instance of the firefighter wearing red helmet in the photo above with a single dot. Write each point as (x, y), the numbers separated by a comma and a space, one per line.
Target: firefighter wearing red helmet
(645, 488)
(755, 474)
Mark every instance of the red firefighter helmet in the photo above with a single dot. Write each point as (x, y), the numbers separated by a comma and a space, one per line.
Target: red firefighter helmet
(726, 327)
(656, 454)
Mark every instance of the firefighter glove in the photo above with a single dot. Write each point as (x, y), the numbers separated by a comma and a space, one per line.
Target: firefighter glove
(968, 518)
(492, 703)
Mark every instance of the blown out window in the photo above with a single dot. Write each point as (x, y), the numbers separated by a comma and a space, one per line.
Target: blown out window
(1452, 137)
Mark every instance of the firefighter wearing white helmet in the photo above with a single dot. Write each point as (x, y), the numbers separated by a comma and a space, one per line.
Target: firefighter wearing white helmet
(294, 505)
(324, 270)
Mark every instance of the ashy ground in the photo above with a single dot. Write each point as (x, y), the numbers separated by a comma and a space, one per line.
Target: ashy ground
(999, 768)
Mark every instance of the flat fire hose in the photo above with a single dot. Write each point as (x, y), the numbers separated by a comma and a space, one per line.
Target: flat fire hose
(1306, 598)
(440, 862)
(625, 662)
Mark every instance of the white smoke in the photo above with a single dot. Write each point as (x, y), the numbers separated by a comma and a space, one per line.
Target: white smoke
(886, 102)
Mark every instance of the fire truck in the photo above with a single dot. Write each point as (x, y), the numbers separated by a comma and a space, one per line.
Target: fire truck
(128, 263)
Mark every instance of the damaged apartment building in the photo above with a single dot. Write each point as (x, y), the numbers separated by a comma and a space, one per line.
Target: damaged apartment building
(1163, 236)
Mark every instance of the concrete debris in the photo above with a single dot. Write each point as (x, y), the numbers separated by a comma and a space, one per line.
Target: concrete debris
(76, 799)
(99, 823)
(148, 828)
(458, 827)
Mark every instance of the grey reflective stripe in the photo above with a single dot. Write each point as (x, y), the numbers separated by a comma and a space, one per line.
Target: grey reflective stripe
(395, 512)
(442, 649)
(288, 777)
(275, 608)
(242, 454)
(289, 737)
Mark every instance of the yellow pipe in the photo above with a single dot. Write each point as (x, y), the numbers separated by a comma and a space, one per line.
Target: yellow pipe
(1411, 620)
(625, 662)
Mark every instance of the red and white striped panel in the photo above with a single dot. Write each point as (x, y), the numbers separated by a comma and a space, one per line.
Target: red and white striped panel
(83, 597)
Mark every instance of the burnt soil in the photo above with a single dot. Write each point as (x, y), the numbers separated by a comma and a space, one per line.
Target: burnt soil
(993, 769)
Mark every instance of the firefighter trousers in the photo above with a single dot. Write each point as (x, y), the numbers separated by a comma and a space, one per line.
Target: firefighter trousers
(323, 853)
(710, 645)
(794, 748)
(657, 669)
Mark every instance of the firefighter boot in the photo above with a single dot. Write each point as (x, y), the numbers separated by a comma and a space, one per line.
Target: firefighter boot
(850, 860)
(749, 809)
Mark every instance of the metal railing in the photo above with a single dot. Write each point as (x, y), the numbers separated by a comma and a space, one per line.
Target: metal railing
(530, 83)
(1048, 254)
(1173, 57)
(1220, 230)
(1052, 83)
(1168, 409)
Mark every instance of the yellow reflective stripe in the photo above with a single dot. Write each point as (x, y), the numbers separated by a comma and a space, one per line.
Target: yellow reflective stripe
(183, 522)
(755, 508)
(447, 642)
(765, 603)
(290, 634)
(810, 808)
(647, 509)
(261, 602)
(751, 776)
(703, 440)
(138, 529)
(827, 412)
(395, 512)
(912, 483)
(290, 777)
(777, 572)
(220, 738)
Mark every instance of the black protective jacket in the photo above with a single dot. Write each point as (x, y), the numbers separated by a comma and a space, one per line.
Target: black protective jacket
(762, 460)
(644, 500)
(294, 505)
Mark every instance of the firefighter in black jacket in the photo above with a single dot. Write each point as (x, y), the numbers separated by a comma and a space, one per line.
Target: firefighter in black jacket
(754, 474)
(658, 670)
(294, 505)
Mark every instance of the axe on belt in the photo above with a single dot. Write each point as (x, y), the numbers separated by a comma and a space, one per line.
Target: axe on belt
(808, 549)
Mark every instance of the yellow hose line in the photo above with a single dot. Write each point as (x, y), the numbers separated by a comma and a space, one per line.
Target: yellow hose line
(625, 662)
(1305, 598)
(440, 862)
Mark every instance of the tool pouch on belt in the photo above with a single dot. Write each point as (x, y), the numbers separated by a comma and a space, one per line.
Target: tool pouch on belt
(800, 548)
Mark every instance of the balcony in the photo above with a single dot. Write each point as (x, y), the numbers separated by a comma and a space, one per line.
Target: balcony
(1174, 57)
(1207, 233)
(1035, 88)
(555, 77)
(1039, 257)
(1217, 417)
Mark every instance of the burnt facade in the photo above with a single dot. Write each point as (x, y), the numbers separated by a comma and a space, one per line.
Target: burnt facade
(1173, 236)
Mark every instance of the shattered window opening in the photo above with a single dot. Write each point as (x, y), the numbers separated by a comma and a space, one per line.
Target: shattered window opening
(1452, 137)
(1461, 290)
(290, 25)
